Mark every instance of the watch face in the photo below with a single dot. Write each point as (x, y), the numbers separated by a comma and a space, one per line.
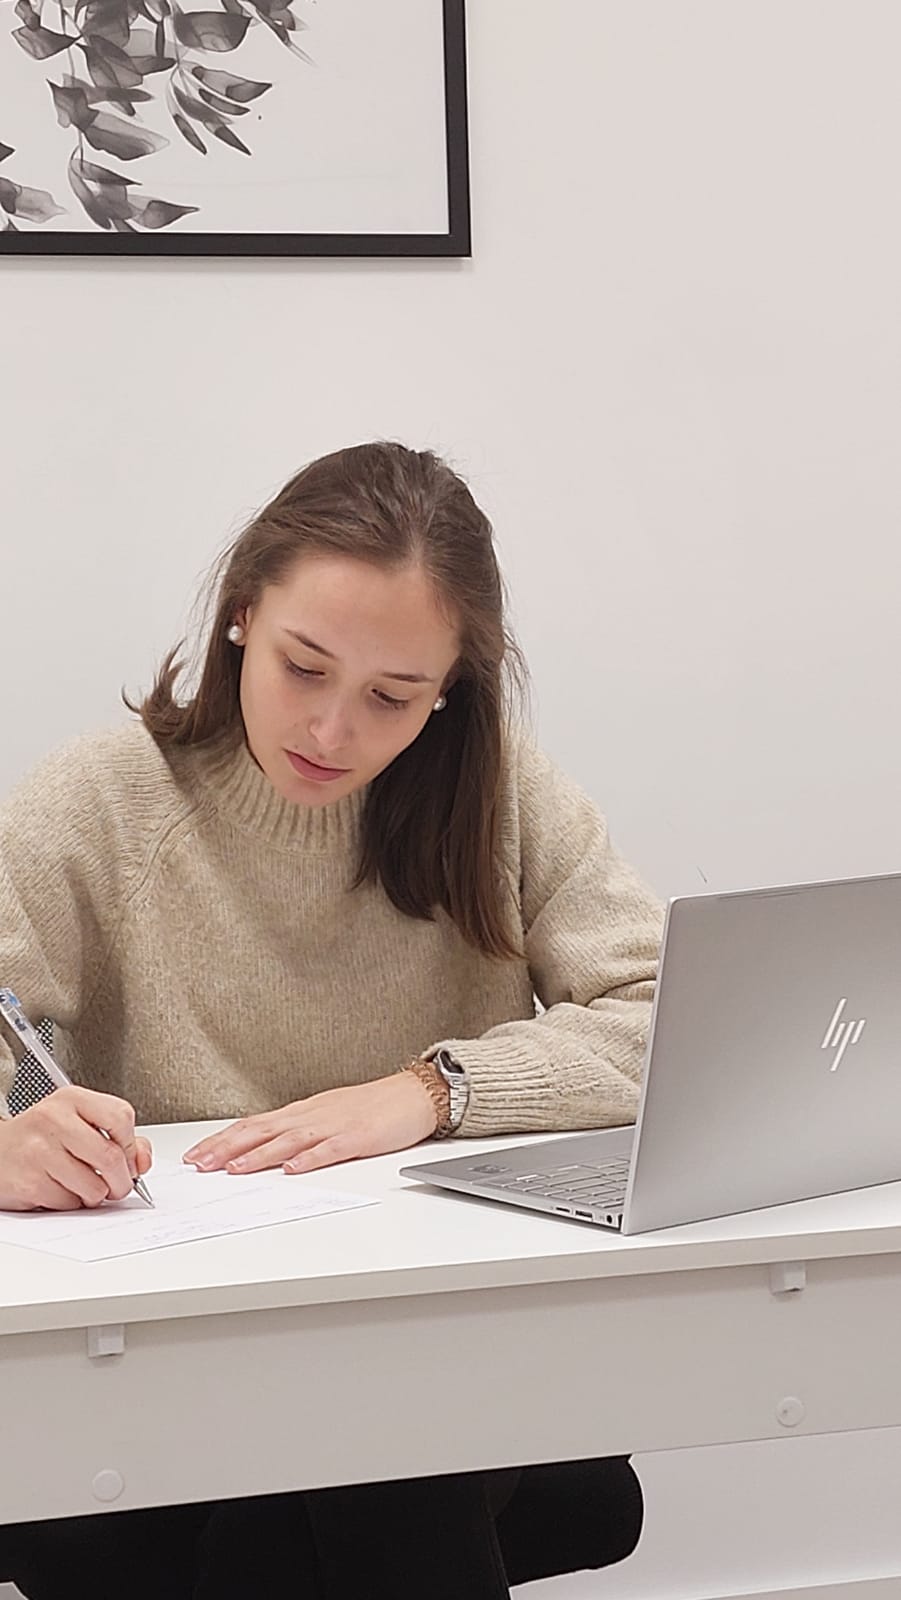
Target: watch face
(446, 1064)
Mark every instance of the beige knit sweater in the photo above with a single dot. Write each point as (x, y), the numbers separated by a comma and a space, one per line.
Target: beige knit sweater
(195, 936)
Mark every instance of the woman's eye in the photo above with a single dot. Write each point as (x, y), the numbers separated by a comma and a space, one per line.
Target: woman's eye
(383, 699)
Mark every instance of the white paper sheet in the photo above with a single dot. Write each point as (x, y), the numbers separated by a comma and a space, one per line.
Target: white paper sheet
(188, 1205)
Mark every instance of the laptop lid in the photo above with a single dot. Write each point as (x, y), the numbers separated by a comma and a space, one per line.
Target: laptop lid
(774, 1057)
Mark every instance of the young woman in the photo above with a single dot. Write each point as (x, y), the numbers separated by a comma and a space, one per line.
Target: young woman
(344, 824)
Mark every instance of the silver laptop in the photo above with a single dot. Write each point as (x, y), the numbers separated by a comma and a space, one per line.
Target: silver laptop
(773, 1069)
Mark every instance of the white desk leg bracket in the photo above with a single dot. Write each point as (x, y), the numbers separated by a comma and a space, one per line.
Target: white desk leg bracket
(788, 1277)
(108, 1340)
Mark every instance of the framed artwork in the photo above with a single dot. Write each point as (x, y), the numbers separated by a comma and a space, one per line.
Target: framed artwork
(233, 128)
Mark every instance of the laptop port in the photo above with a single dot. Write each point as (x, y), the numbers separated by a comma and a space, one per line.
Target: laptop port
(585, 1215)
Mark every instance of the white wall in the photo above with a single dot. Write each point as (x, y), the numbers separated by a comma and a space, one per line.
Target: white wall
(672, 372)
(671, 369)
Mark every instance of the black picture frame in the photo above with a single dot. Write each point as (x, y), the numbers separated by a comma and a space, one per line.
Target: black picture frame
(456, 241)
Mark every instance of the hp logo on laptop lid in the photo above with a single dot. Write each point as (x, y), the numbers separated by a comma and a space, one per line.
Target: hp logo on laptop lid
(840, 1034)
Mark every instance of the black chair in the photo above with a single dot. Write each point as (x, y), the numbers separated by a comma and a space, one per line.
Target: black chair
(30, 1082)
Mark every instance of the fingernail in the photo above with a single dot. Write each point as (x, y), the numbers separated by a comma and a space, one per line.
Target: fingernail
(205, 1162)
(239, 1161)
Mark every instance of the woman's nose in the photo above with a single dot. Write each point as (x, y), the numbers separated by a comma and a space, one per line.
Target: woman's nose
(331, 729)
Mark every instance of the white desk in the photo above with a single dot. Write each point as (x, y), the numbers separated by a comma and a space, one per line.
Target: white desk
(431, 1334)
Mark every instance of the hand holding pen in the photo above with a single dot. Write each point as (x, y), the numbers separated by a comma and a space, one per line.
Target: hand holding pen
(75, 1147)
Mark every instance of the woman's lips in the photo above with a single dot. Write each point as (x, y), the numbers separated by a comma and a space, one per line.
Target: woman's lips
(309, 769)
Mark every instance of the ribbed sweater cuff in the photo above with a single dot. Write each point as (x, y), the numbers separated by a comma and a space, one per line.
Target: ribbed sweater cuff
(509, 1089)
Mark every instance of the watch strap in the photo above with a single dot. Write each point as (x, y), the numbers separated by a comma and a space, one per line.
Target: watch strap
(454, 1076)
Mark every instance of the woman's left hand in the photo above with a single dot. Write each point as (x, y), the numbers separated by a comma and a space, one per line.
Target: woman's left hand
(369, 1119)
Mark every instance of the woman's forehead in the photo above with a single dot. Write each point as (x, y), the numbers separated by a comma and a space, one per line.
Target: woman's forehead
(346, 606)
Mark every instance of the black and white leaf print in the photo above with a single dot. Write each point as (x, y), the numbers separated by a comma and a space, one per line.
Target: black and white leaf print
(41, 43)
(116, 65)
(227, 86)
(210, 30)
(30, 205)
(18, 200)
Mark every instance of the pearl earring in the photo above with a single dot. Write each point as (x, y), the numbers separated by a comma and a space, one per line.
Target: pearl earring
(236, 633)
(440, 703)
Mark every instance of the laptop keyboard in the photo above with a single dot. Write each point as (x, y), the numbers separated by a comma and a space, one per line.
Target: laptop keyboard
(602, 1187)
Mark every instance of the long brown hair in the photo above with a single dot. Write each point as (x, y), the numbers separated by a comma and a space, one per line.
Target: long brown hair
(430, 823)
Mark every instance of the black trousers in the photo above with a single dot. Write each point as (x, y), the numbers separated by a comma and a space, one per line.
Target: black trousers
(469, 1536)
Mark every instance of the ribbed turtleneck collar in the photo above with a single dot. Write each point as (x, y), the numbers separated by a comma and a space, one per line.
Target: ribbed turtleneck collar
(240, 792)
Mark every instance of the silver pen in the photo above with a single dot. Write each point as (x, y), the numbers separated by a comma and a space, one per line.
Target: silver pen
(12, 1012)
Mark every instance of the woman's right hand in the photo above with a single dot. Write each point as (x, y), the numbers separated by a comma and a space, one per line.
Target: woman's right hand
(54, 1157)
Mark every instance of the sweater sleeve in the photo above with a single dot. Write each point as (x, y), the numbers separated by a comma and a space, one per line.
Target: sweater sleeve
(591, 932)
(61, 886)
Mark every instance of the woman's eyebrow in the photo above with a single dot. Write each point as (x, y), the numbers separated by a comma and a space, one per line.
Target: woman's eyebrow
(400, 677)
